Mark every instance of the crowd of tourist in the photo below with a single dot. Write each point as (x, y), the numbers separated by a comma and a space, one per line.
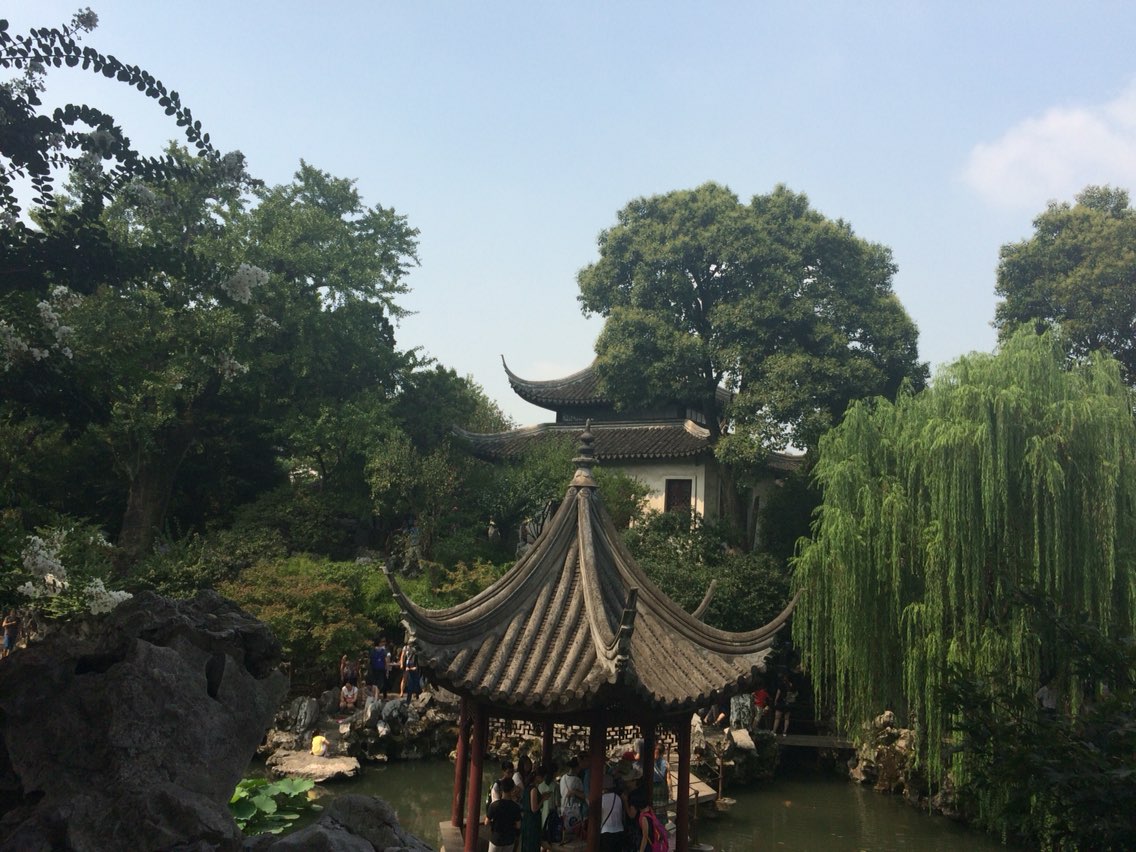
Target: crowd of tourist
(529, 807)
(377, 673)
(751, 710)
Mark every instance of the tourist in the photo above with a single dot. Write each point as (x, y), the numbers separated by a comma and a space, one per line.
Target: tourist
(761, 702)
(378, 678)
(661, 776)
(1047, 699)
(531, 801)
(643, 825)
(11, 632)
(348, 697)
(783, 703)
(348, 670)
(320, 744)
(611, 825)
(546, 785)
(572, 799)
(394, 670)
(524, 771)
(411, 681)
(504, 819)
(496, 791)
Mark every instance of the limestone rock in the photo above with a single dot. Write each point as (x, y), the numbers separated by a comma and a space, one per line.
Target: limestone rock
(697, 737)
(351, 823)
(130, 730)
(304, 764)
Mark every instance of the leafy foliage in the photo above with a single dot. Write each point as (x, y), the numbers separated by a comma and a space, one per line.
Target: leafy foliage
(316, 608)
(1077, 272)
(1056, 781)
(683, 554)
(787, 308)
(261, 806)
(36, 145)
(1013, 470)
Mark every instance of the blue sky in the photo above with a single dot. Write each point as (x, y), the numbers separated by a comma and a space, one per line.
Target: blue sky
(511, 133)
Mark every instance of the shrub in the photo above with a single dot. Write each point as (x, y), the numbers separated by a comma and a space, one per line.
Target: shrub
(316, 608)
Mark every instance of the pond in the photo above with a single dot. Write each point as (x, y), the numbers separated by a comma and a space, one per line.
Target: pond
(806, 812)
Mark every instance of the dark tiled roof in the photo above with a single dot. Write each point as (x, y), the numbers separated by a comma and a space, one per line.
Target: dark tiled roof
(613, 441)
(578, 389)
(576, 625)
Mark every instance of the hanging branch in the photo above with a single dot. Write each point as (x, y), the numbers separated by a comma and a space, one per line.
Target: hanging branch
(1012, 471)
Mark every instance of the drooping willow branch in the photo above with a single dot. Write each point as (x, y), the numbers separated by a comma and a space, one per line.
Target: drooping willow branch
(1012, 471)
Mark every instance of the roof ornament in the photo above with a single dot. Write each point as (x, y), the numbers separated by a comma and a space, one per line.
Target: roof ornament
(585, 459)
(626, 629)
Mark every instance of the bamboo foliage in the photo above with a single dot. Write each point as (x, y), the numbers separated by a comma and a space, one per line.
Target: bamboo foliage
(1013, 470)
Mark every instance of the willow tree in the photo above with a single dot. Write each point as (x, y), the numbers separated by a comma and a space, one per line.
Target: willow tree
(1015, 470)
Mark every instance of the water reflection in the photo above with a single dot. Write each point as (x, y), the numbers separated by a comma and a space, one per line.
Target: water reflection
(804, 814)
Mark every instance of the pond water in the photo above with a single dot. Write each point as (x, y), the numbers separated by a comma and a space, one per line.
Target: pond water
(805, 812)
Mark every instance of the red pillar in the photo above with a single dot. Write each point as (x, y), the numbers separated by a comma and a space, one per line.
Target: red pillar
(546, 745)
(682, 818)
(647, 758)
(480, 731)
(461, 765)
(597, 752)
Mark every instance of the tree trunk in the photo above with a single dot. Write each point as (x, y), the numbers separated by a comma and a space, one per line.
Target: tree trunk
(151, 484)
(733, 509)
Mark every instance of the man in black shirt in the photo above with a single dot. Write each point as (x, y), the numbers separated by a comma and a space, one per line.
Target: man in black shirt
(504, 818)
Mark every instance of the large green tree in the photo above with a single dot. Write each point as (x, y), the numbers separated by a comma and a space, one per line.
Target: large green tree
(788, 309)
(242, 331)
(1077, 271)
(1013, 471)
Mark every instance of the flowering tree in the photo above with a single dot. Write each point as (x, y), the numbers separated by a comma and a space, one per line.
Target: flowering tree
(66, 566)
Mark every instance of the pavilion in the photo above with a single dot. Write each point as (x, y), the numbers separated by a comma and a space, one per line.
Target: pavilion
(576, 634)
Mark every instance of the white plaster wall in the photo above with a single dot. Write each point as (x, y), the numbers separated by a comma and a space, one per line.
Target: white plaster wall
(655, 474)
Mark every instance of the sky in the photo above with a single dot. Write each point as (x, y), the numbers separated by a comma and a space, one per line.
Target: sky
(511, 133)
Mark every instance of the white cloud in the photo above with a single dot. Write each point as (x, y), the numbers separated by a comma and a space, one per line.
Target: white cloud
(1056, 155)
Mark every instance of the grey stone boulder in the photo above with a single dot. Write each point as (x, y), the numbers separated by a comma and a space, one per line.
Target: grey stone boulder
(304, 764)
(372, 712)
(395, 712)
(351, 823)
(130, 730)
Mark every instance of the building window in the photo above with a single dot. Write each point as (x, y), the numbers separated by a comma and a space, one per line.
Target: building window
(676, 497)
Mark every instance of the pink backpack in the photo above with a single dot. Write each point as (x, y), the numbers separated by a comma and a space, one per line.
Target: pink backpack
(658, 840)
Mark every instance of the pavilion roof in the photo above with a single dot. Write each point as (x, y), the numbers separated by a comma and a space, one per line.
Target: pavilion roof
(576, 625)
(577, 389)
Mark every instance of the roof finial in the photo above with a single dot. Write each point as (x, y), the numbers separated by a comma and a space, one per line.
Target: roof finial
(585, 458)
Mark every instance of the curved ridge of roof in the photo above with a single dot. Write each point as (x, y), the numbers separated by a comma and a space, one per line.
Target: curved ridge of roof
(579, 388)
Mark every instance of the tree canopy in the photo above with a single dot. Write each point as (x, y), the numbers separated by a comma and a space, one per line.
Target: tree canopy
(1013, 472)
(1078, 272)
(788, 309)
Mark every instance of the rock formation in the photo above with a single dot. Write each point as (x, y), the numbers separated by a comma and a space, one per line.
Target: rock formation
(350, 824)
(886, 760)
(131, 730)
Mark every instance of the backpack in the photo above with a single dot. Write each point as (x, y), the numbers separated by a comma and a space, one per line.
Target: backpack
(658, 839)
(553, 827)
